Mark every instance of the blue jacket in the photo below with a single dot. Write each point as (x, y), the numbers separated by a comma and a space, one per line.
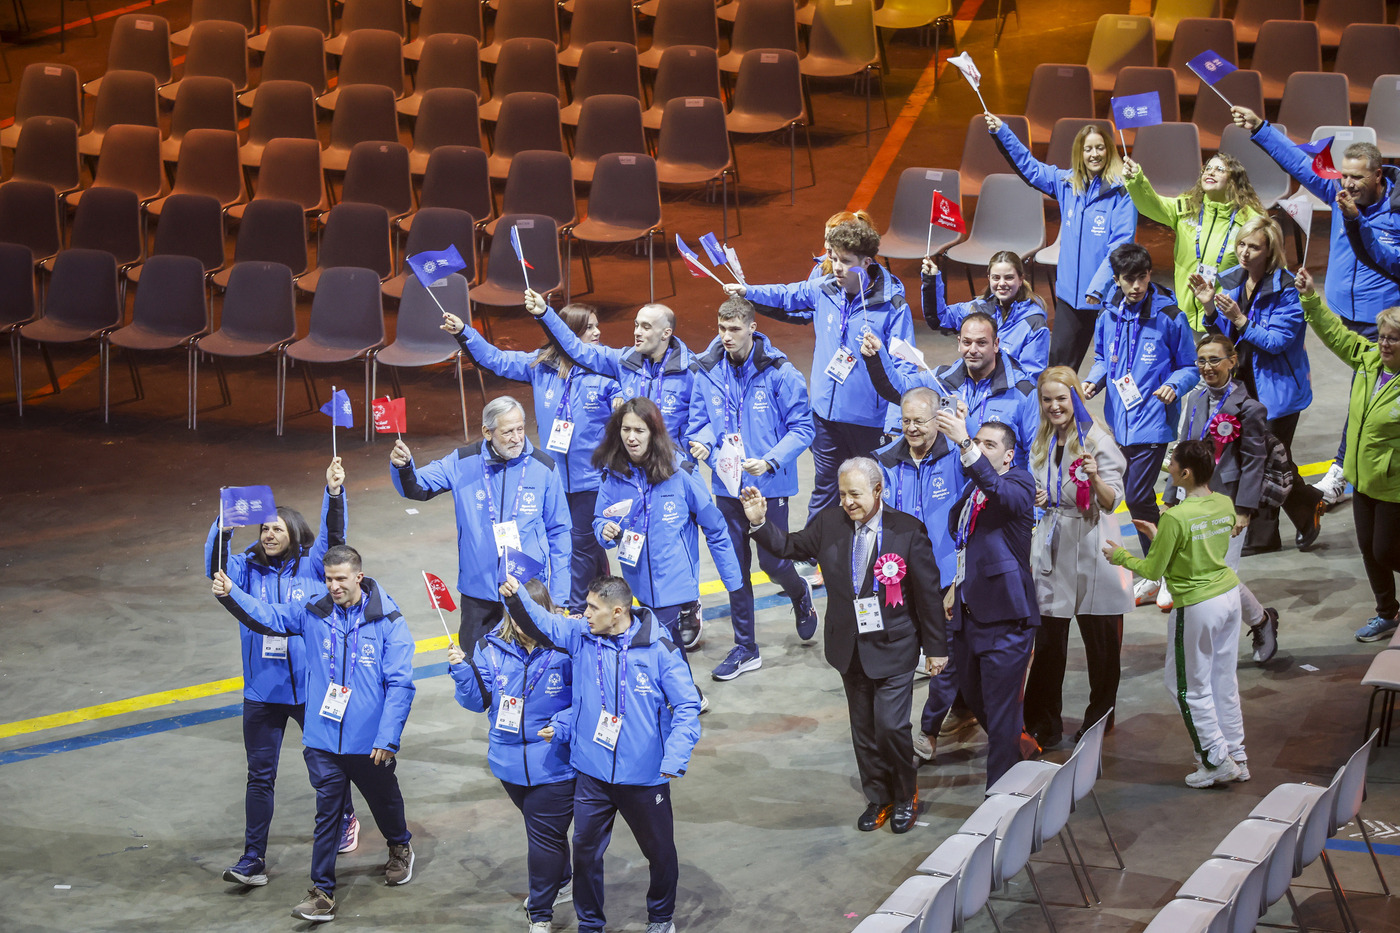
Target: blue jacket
(1156, 340)
(292, 580)
(668, 571)
(765, 401)
(501, 667)
(1092, 222)
(1355, 288)
(527, 489)
(925, 490)
(1377, 245)
(841, 321)
(997, 585)
(1275, 331)
(583, 397)
(371, 639)
(659, 704)
(1022, 332)
(667, 383)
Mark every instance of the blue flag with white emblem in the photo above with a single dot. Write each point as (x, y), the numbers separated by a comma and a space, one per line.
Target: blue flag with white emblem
(339, 410)
(435, 265)
(1136, 110)
(1210, 67)
(520, 565)
(246, 505)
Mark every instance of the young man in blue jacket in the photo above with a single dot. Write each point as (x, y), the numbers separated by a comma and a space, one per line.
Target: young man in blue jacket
(359, 675)
(507, 494)
(636, 721)
(859, 297)
(1145, 352)
(750, 403)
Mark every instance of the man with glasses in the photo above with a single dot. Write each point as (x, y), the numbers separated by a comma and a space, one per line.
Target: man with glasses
(508, 495)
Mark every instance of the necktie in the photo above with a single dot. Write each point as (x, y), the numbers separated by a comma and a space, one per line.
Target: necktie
(860, 557)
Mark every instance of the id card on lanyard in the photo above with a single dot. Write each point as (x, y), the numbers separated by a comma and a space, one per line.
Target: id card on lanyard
(510, 712)
(868, 617)
(843, 361)
(337, 693)
(1209, 273)
(561, 432)
(504, 529)
(967, 521)
(631, 541)
(610, 724)
(1125, 384)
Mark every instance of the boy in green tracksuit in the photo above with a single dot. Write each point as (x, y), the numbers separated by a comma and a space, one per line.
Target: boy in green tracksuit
(1189, 550)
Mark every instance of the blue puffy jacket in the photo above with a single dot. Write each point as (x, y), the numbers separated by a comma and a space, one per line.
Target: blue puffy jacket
(296, 578)
(926, 490)
(370, 639)
(582, 397)
(668, 571)
(658, 702)
(1092, 221)
(841, 320)
(501, 667)
(1157, 341)
(527, 489)
(1378, 245)
(1021, 331)
(1275, 333)
(1356, 289)
(765, 401)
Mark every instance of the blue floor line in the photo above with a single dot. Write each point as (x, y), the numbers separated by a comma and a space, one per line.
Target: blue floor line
(1357, 845)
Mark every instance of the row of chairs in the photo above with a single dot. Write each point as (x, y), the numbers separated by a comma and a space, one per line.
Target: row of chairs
(1331, 17)
(1383, 677)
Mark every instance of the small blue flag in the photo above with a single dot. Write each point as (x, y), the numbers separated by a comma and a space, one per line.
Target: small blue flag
(246, 505)
(515, 245)
(1136, 110)
(710, 243)
(1210, 67)
(518, 564)
(1083, 421)
(435, 265)
(339, 410)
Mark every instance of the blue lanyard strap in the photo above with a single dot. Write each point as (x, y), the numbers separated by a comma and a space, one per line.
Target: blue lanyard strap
(977, 401)
(621, 677)
(655, 381)
(1191, 424)
(918, 492)
(565, 409)
(1060, 476)
(644, 491)
(493, 668)
(1224, 244)
(1125, 322)
(967, 520)
(354, 648)
(491, 497)
(730, 406)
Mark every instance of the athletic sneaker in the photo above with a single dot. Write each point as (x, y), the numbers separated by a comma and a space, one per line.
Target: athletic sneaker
(399, 868)
(692, 623)
(350, 834)
(1243, 765)
(541, 926)
(318, 907)
(667, 927)
(924, 745)
(739, 660)
(1265, 636)
(566, 894)
(250, 870)
(816, 579)
(1145, 591)
(704, 704)
(806, 613)
(1333, 485)
(1206, 776)
(1164, 598)
(1377, 628)
(956, 721)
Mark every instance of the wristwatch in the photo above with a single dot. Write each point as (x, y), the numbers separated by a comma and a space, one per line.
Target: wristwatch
(965, 443)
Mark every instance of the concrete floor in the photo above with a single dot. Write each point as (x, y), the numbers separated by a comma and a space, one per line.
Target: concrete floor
(123, 817)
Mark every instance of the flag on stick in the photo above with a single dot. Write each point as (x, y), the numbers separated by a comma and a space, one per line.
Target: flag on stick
(1321, 151)
(518, 564)
(246, 505)
(692, 261)
(339, 410)
(943, 213)
(1210, 67)
(390, 414)
(520, 255)
(440, 598)
(733, 263)
(1299, 207)
(969, 71)
(433, 266)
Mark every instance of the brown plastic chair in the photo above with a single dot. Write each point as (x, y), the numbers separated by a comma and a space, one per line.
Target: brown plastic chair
(843, 44)
(45, 90)
(624, 205)
(190, 225)
(528, 120)
(368, 14)
(258, 317)
(313, 13)
(371, 56)
(1334, 16)
(364, 111)
(536, 19)
(445, 17)
(127, 97)
(605, 68)
(269, 230)
(208, 165)
(353, 235)
(1250, 15)
(290, 171)
(204, 102)
(980, 156)
(437, 228)
(1134, 80)
(1367, 51)
(171, 310)
(1058, 91)
(140, 42)
(130, 159)
(347, 323)
(1211, 114)
(525, 64)
(1167, 15)
(109, 219)
(681, 23)
(1120, 41)
(693, 149)
(457, 177)
(294, 53)
(540, 182)
(284, 110)
(82, 302)
(1194, 36)
(19, 307)
(242, 12)
(1312, 99)
(608, 123)
(598, 21)
(683, 71)
(448, 118)
(1010, 215)
(378, 174)
(1283, 47)
(419, 339)
(29, 218)
(47, 152)
(217, 48)
(768, 99)
(449, 61)
(760, 24)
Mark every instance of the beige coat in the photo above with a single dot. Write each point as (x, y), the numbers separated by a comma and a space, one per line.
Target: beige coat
(1072, 577)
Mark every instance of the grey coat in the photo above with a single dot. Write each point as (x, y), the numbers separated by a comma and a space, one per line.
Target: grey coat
(1239, 474)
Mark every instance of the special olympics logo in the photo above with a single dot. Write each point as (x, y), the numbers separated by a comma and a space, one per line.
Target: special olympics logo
(480, 494)
(430, 266)
(1128, 111)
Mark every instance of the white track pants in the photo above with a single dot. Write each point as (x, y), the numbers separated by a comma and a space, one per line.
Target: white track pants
(1200, 675)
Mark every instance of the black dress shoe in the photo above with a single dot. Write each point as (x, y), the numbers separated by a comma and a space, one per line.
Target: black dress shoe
(1307, 537)
(904, 813)
(874, 817)
(1046, 738)
(1250, 550)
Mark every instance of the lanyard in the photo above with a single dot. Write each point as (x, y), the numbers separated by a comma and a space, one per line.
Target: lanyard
(355, 647)
(564, 411)
(731, 373)
(858, 573)
(491, 497)
(918, 493)
(968, 520)
(1191, 424)
(656, 380)
(977, 401)
(621, 678)
(1059, 478)
(644, 491)
(494, 670)
(1200, 222)
(1125, 321)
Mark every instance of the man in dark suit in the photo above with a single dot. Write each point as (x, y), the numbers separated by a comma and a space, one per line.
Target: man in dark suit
(882, 605)
(991, 607)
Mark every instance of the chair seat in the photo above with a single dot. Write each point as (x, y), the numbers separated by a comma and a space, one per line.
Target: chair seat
(1287, 803)
(48, 331)
(1251, 840)
(310, 350)
(140, 337)
(821, 66)
(756, 122)
(913, 896)
(335, 159)
(221, 344)
(886, 18)
(489, 293)
(597, 231)
(399, 354)
(1384, 671)
(950, 856)
(1049, 256)
(685, 173)
(896, 246)
(990, 818)
(1025, 778)
(1216, 879)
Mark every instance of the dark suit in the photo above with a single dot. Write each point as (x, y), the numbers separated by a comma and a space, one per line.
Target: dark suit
(995, 612)
(877, 668)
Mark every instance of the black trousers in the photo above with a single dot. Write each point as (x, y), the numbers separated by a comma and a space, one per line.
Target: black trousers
(884, 747)
(1378, 536)
(1301, 504)
(1071, 335)
(479, 616)
(1103, 640)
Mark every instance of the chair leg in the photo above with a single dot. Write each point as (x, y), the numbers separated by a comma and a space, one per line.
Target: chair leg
(651, 265)
(371, 384)
(313, 397)
(670, 268)
(1044, 908)
(192, 378)
(462, 391)
(393, 380)
(1112, 844)
(18, 373)
(991, 913)
(104, 357)
(1297, 915)
(223, 382)
(135, 375)
(568, 267)
(1369, 848)
(1339, 895)
(1069, 860)
(1083, 865)
(792, 163)
(281, 389)
(811, 163)
(48, 365)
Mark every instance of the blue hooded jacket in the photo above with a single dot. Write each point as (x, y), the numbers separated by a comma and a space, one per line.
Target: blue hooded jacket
(668, 571)
(582, 397)
(296, 578)
(1357, 289)
(765, 400)
(1275, 332)
(542, 680)
(1022, 332)
(926, 490)
(371, 639)
(659, 705)
(1378, 245)
(1157, 342)
(841, 320)
(527, 489)
(1092, 222)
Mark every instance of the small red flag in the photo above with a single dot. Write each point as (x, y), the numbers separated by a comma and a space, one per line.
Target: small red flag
(944, 213)
(390, 414)
(438, 593)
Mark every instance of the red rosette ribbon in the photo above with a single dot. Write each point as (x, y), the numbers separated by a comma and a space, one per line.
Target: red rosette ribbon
(1083, 487)
(1222, 430)
(889, 571)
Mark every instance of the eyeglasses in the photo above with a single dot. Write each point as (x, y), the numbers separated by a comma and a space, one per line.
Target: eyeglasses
(1210, 362)
(916, 422)
(1388, 339)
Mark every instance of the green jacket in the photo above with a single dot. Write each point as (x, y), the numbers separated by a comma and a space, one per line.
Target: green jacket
(1373, 418)
(1218, 234)
(1189, 550)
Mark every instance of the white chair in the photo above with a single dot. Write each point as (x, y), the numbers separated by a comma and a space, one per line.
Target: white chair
(1264, 841)
(1383, 116)
(1350, 793)
(1170, 154)
(1343, 136)
(1011, 819)
(887, 923)
(1188, 917)
(969, 858)
(907, 237)
(1269, 179)
(1312, 99)
(1383, 677)
(930, 901)
(1010, 215)
(1120, 41)
(1238, 886)
(1311, 807)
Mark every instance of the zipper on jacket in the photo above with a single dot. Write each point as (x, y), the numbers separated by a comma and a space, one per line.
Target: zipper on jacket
(344, 643)
(524, 744)
(617, 682)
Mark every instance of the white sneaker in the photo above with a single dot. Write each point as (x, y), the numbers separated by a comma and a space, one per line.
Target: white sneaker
(1164, 598)
(1205, 776)
(541, 926)
(566, 894)
(923, 745)
(1243, 765)
(1333, 485)
(704, 704)
(1145, 591)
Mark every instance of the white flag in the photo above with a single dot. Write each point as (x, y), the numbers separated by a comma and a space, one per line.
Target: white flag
(904, 350)
(1299, 207)
(964, 64)
(728, 466)
(733, 263)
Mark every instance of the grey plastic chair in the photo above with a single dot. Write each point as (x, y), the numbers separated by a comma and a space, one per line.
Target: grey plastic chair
(528, 120)
(82, 302)
(981, 159)
(192, 225)
(29, 218)
(504, 284)
(371, 56)
(291, 171)
(46, 89)
(1058, 91)
(313, 13)
(1194, 36)
(204, 102)
(1367, 51)
(449, 61)
(242, 12)
(694, 149)
(883, 923)
(907, 236)
(965, 861)
(608, 123)
(130, 159)
(1009, 215)
(378, 174)
(1211, 114)
(1311, 807)
(18, 306)
(1062, 134)
(1251, 15)
(437, 228)
(140, 42)
(843, 44)
(1350, 794)
(1238, 886)
(347, 323)
(294, 53)
(1334, 16)
(445, 17)
(171, 310)
(109, 219)
(624, 204)
(1312, 99)
(363, 111)
(931, 902)
(1011, 820)
(680, 23)
(1189, 917)
(217, 49)
(283, 110)
(682, 71)
(449, 117)
(540, 182)
(1120, 41)
(1135, 80)
(598, 21)
(1167, 15)
(1283, 47)
(526, 64)
(604, 68)
(1272, 844)
(1383, 114)
(47, 152)
(456, 177)
(208, 165)
(1269, 179)
(768, 99)
(357, 15)
(353, 235)
(538, 19)
(1170, 154)
(127, 98)
(270, 230)
(760, 24)
(258, 317)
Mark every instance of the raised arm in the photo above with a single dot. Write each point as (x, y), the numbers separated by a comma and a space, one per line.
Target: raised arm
(263, 618)
(413, 483)
(559, 533)
(550, 630)
(591, 356)
(335, 518)
(1164, 545)
(1294, 161)
(1147, 201)
(1035, 172)
(792, 303)
(508, 364)
(804, 544)
(1349, 347)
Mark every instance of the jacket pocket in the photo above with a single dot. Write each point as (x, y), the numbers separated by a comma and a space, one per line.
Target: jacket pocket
(1000, 567)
